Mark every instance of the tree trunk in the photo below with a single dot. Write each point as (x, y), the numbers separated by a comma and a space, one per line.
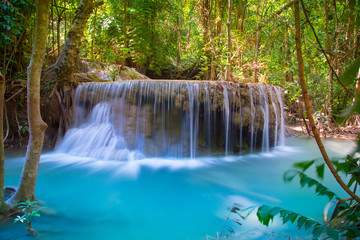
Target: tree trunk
(307, 104)
(179, 36)
(237, 15)
(285, 54)
(93, 35)
(205, 15)
(257, 40)
(125, 24)
(329, 48)
(53, 30)
(65, 64)
(37, 127)
(228, 24)
(58, 34)
(2, 156)
(351, 27)
(243, 16)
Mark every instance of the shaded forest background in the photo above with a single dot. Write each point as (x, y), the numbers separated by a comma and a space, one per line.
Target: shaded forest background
(231, 40)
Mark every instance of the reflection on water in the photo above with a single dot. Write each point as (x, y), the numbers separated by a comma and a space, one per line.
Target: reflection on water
(158, 198)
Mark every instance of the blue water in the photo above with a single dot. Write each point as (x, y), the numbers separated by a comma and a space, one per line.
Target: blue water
(163, 199)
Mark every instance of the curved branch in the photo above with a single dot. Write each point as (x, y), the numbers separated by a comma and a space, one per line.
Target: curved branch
(308, 109)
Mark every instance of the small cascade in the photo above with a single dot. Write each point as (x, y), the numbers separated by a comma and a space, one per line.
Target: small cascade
(281, 134)
(227, 118)
(266, 116)
(137, 119)
(252, 115)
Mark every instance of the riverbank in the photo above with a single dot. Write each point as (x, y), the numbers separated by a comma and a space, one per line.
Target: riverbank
(341, 132)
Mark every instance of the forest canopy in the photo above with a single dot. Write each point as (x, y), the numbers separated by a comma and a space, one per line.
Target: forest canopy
(236, 40)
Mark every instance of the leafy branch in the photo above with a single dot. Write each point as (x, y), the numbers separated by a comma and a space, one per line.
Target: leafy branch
(30, 209)
(266, 214)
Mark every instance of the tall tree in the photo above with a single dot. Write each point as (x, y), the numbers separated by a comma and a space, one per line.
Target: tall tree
(37, 127)
(2, 157)
(205, 9)
(307, 103)
(228, 24)
(66, 62)
(65, 65)
(257, 40)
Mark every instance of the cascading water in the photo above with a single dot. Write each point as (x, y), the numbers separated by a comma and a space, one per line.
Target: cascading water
(265, 111)
(136, 119)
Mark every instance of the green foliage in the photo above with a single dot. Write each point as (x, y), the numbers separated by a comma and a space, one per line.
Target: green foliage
(14, 25)
(266, 215)
(346, 217)
(30, 209)
(24, 128)
(12, 19)
(306, 181)
(350, 166)
(351, 73)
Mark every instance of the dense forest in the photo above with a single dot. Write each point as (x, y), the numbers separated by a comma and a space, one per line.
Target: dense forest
(235, 40)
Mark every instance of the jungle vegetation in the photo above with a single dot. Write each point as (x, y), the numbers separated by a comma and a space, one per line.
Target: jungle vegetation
(237, 40)
(313, 56)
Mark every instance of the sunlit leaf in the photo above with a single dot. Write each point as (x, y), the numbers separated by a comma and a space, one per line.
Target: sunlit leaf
(350, 73)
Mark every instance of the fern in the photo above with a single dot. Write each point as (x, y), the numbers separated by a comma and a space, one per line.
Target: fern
(306, 181)
(266, 215)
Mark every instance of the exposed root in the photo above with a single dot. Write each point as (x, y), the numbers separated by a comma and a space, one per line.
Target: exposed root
(15, 94)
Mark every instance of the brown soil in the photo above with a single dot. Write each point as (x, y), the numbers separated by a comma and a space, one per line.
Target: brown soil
(297, 128)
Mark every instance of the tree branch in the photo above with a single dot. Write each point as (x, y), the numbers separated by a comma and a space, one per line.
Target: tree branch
(307, 105)
(323, 51)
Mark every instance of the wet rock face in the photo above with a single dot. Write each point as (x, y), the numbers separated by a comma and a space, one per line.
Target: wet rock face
(188, 118)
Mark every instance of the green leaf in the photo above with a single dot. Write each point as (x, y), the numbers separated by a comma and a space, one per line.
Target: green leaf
(320, 171)
(350, 73)
(309, 223)
(355, 171)
(337, 220)
(290, 217)
(304, 165)
(290, 175)
(318, 230)
(351, 181)
(304, 180)
(301, 221)
(332, 233)
(266, 214)
(352, 108)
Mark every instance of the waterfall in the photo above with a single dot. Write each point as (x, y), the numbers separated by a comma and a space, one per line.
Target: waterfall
(253, 114)
(227, 118)
(137, 119)
(266, 116)
(282, 117)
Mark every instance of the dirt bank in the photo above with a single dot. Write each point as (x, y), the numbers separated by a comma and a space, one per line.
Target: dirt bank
(342, 132)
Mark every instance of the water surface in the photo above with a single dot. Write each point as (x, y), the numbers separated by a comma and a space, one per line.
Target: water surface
(165, 198)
